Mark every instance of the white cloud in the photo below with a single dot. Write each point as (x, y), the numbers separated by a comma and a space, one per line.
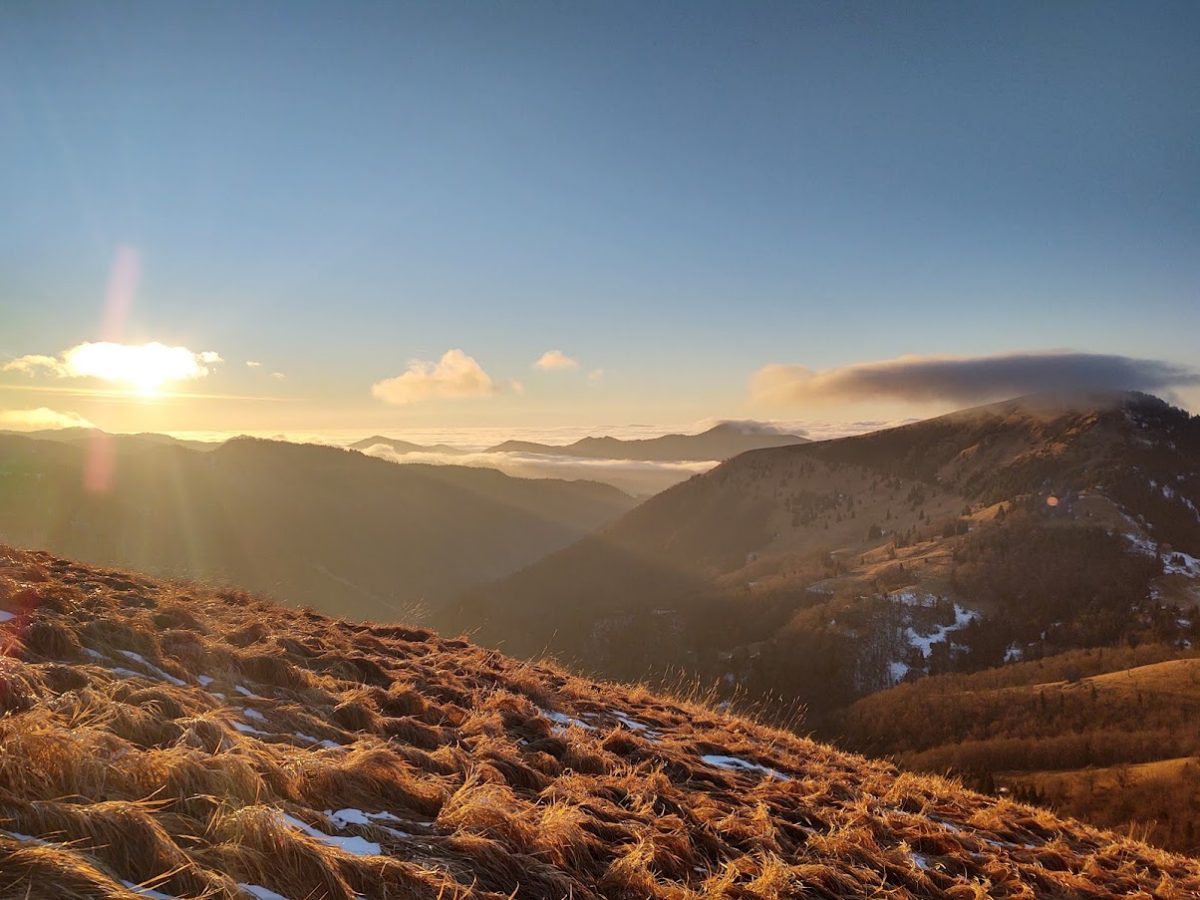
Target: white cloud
(41, 419)
(278, 376)
(555, 361)
(253, 364)
(967, 379)
(455, 375)
(141, 365)
(596, 376)
(632, 476)
(34, 364)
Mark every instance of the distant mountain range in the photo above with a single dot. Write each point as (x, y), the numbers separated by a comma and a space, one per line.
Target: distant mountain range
(329, 527)
(825, 571)
(84, 435)
(717, 443)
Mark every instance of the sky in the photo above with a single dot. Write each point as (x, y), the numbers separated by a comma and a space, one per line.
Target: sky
(401, 217)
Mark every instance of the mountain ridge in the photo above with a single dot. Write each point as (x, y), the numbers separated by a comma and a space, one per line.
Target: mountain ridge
(880, 555)
(297, 520)
(722, 441)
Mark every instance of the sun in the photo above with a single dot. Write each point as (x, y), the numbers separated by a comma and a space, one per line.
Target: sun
(144, 369)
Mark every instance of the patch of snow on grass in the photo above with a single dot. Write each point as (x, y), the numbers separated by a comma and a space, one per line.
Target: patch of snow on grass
(736, 763)
(355, 846)
(1175, 563)
(157, 672)
(1179, 563)
(913, 597)
(925, 642)
(258, 892)
(564, 721)
(343, 817)
(326, 744)
(28, 838)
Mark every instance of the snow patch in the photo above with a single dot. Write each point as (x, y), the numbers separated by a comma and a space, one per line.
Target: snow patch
(326, 744)
(258, 892)
(355, 846)
(343, 817)
(925, 642)
(736, 763)
(155, 670)
(563, 721)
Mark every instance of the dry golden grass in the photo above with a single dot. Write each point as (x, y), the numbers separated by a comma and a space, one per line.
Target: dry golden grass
(166, 740)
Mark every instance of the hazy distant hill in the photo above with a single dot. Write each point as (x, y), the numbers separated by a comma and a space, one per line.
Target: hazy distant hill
(719, 442)
(824, 571)
(319, 525)
(165, 740)
(85, 435)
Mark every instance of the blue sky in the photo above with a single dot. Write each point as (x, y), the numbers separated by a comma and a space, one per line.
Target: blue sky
(677, 194)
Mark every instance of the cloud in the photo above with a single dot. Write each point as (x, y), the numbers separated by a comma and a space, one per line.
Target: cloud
(455, 375)
(278, 376)
(253, 364)
(555, 361)
(142, 365)
(595, 376)
(967, 379)
(40, 419)
(632, 476)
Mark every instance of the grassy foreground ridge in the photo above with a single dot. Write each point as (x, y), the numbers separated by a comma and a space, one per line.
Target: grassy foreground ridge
(166, 740)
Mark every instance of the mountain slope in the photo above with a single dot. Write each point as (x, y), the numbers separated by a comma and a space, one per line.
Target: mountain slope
(168, 741)
(1102, 734)
(300, 521)
(719, 442)
(824, 571)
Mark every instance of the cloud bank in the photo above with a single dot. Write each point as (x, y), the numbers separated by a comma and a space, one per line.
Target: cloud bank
(967, 379)
(455, 375)
(555, 361)
(632, 476)
(40, 419)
